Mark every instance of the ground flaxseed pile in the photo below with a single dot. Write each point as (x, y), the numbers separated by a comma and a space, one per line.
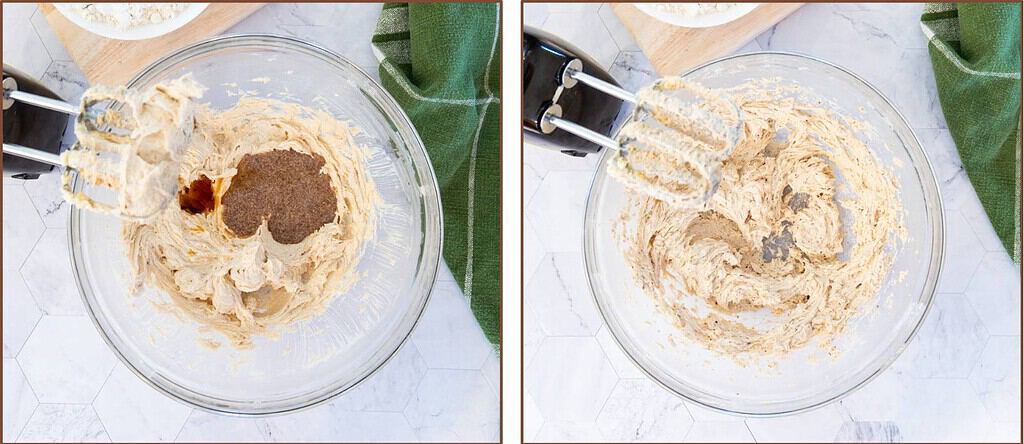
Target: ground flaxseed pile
(285, 188)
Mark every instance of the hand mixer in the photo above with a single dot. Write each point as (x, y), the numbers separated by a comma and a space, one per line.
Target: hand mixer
(672, 143)
(102, 162)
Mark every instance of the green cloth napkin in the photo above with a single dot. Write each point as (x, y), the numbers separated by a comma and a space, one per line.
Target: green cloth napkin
(442, 62)
(976, 54)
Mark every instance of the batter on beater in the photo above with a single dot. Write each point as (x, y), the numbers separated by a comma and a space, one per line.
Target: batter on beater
(673, 147)
(803, 227)
(145, 151)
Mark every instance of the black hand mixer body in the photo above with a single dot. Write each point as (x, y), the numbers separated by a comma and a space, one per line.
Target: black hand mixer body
(547, 89)
(30, 125)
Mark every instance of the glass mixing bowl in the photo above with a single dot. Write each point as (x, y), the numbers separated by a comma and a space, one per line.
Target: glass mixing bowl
(805, 378)
(316, 359)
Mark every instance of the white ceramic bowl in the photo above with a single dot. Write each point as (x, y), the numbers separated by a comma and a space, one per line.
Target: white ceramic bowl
(700, 21)
(138, 33)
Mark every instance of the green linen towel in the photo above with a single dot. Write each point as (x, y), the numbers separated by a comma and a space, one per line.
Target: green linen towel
(442, 62)
(976, 55)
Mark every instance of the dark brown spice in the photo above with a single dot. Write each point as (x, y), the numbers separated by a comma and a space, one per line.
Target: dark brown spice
(284, 187)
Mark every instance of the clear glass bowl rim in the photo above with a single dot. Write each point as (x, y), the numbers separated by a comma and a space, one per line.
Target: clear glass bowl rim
(933, 199)
(429, 262)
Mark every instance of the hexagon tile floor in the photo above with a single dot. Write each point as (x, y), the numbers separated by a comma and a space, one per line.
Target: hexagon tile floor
(959, 380)
(62, 383)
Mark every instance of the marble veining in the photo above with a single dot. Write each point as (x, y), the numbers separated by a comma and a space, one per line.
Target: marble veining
(432, 405)
(640, 410)
(559, 294)
(996, 378)
(955, 335)
(869, 432)
(64, 423)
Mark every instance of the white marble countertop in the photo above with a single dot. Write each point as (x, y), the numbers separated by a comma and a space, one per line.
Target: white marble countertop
(62, 383)
(958, 381)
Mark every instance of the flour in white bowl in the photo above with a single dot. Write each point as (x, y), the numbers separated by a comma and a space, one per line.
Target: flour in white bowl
(126, 16)
(693, 9)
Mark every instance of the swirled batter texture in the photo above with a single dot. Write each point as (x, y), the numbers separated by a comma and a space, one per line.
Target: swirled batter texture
(247, 283)
(800, 233)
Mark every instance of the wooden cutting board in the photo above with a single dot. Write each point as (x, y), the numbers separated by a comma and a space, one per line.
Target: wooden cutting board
(673, 49)
(115, 62)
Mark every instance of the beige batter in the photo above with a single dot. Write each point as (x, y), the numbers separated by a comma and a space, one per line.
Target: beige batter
(249, 286)
(800, 232)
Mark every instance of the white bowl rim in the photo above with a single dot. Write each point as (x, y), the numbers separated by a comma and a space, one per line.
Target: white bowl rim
(139, 33)
(701, 21)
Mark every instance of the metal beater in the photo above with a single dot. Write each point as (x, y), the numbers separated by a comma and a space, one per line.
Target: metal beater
(671, 145)
(102, 115)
